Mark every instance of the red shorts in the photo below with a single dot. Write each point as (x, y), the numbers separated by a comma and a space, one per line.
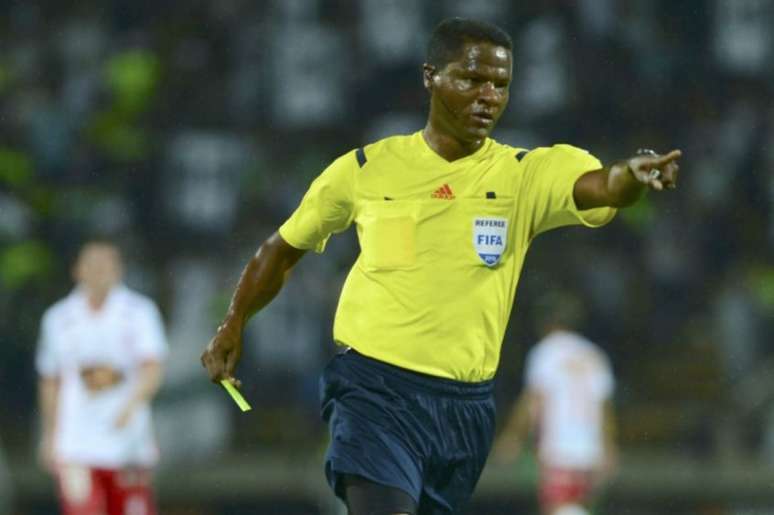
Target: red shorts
(91, 491)
(564, 486)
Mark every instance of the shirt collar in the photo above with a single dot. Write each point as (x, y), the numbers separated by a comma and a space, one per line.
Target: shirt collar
(79, 296)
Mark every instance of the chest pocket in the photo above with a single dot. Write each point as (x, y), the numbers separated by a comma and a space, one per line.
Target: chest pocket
(387, 234)
(404, 234)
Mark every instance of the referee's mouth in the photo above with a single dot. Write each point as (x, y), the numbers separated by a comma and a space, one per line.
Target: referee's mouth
(482, 122)
(483, 118)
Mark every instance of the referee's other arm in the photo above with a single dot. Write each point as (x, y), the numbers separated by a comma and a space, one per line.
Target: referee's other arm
(261, 280)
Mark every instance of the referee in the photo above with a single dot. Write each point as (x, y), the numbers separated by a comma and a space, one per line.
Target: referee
(444, 218)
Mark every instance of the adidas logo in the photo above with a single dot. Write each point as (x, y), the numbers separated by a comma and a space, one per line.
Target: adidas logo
(443, 192)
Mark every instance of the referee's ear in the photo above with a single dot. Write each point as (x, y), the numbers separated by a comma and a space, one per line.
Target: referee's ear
(428, 76)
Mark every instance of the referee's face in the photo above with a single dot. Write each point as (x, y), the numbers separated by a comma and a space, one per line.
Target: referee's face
(470, 93)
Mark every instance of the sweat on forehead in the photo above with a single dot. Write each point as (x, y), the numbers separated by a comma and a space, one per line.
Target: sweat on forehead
(449, 38)
(476, 55)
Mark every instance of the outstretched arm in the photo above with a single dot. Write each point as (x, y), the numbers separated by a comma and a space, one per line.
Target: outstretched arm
(624, 182)
(260, 282)
(48, 401)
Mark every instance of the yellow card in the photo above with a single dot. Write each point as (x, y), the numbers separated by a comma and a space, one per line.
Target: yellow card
(234, 393)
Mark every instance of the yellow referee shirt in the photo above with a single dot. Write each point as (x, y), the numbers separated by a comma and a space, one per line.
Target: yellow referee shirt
(441, 244)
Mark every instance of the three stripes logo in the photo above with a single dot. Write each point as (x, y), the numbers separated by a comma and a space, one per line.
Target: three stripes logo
(443, 192)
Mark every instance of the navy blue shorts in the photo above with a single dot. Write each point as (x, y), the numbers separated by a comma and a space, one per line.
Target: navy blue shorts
(426, 435)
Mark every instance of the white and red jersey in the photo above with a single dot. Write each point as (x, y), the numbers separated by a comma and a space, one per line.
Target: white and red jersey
(123, 334)
(573, 378)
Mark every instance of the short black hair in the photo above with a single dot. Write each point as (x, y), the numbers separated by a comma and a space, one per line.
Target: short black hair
(450, 35)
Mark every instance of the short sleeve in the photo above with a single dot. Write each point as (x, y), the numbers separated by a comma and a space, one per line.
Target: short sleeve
(536, 374)
(47, 361)
(549, 183)
(151, 345)
(327, 207)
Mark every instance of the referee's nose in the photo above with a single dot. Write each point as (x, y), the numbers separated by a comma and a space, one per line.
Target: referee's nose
(490, 95)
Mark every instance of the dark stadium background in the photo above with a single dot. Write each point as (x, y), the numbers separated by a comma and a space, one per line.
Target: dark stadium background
(189, 130)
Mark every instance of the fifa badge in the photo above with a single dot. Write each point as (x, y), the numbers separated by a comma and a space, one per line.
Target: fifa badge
(490, 238)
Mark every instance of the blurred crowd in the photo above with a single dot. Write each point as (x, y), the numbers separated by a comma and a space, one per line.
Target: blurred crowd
(188, 131)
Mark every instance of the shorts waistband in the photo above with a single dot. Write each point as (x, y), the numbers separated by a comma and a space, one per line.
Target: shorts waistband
(420, 381)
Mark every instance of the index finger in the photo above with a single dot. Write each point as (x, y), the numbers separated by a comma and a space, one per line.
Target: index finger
(668, 158)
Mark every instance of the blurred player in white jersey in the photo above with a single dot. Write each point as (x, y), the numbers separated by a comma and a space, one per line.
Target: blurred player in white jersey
(100, 360)
(567, 401)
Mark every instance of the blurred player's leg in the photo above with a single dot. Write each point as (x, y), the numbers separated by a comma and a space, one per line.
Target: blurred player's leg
(80, 491)
(129, 492)
(571, 509)
(564, 491)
